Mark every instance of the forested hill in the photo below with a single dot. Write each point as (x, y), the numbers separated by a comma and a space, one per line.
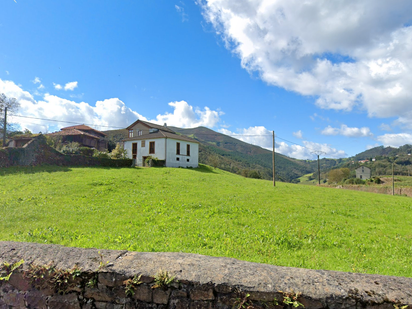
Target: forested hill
(231, 154)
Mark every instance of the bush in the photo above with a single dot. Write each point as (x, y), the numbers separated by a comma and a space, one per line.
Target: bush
(119, 152)
(86, 151)
(101, 155)
(71, 148)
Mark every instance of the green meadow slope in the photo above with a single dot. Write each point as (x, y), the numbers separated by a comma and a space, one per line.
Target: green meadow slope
(210, 212)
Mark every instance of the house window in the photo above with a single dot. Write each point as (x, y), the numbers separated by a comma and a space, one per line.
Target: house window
(143, 143)
(134, 150)
(188, 150)
(130, 133)
(139, 133)
(187, 160)
(177, 148)
(177, 159)
(151, 147)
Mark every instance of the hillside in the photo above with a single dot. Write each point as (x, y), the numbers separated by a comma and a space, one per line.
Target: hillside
(236, 156)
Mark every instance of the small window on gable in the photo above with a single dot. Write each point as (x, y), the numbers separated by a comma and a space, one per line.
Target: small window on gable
(130, 133)
(151, 147)
(143, 143)
(139, 133)
(177, 148)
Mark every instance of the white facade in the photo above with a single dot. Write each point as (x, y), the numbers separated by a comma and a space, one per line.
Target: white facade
(165, 149)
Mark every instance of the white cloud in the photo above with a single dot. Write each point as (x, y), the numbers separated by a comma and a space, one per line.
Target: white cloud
(57, 86)
(347, 131)
(257, 135)
(38, 81)
(338, 51)
(181, 11)
(395, 140)
(298, 134)
(7, 72)
(105, 115)
(185, 116)
(262, 137)
(372, 146)
(385, 127)
(70, 86)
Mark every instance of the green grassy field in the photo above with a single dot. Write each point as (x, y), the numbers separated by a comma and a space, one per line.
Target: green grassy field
(209, 212)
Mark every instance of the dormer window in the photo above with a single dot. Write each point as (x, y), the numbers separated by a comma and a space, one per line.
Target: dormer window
(152, 130)
(130, 133)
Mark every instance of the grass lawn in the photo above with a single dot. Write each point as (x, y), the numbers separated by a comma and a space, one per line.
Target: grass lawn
(209, 212)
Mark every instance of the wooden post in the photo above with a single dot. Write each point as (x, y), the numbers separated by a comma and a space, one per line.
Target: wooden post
(5, 127)
(273, 158)
(318, 170)
(393, 182)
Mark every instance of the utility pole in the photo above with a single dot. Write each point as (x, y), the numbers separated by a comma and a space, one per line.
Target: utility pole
(273, 158)
(393, 181)
(318, 153)
(5, 127)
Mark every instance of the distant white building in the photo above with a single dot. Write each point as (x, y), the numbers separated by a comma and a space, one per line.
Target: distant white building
(151, 140)
(363, 172)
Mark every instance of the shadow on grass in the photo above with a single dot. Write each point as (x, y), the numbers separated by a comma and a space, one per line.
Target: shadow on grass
(47, 168)
(204, 169)
(33, 169)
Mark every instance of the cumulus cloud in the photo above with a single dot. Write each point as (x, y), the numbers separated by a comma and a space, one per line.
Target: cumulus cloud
(262, 137)
(395, 140)
(104, 115)
(70, 86)
(185, 116)
(347, 131)
(38, 81)
(337, 51)
(298, 134)
(385, 127)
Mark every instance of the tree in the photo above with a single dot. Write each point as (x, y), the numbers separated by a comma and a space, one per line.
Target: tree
(337, 175)
(7, 105)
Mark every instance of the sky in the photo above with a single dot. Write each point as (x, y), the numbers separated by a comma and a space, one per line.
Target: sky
(328, 77)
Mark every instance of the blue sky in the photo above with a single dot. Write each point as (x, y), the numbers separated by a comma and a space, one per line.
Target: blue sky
(325, 76)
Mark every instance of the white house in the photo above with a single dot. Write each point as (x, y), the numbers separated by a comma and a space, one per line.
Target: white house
(151, 140)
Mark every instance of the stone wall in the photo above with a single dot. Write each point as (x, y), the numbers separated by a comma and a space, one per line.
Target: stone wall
(37, 152)
(53, 276)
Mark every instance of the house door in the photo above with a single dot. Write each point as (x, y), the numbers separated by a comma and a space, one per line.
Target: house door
(134, 150)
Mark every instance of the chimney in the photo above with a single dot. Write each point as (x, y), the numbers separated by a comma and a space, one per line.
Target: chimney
(165, 124)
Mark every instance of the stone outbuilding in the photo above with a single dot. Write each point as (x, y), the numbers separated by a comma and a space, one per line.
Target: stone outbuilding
(363, 172)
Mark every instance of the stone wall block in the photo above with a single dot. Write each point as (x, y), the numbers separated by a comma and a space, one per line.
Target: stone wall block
(202, 293)
(178, 294)
(102, 293)
(179, 303)
(35, 299)
(67, 301)
(310, 303)
(111, 279)
(161, 296)
(144, 293)
(201, 305)
(18, 281)
(14, 298)
(226, 300)
(223, 288)
(263, 296)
